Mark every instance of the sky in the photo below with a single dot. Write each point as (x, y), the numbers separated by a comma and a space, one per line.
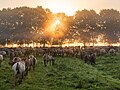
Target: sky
(67, 6)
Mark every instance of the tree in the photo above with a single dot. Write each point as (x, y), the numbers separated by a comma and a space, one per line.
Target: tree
(85, 23)
(110, 24)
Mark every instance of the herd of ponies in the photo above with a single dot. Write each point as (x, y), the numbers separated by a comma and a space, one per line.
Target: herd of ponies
(22, 60)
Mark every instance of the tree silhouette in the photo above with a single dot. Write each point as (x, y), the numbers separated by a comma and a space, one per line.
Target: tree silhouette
(25, 24)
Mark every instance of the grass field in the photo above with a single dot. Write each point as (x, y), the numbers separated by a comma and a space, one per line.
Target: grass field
(67, 74)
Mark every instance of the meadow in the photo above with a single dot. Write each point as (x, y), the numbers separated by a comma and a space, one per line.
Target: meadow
(68, 73)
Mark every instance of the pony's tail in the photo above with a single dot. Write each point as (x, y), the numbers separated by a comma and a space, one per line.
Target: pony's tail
(17, 68)
(34, 61)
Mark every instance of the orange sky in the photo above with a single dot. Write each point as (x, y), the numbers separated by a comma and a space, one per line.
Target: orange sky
(67, 6)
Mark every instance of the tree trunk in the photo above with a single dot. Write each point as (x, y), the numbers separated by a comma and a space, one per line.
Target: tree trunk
(44, 44)
(84, 44)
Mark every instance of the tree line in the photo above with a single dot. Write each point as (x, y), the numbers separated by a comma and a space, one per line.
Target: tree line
(25, 24)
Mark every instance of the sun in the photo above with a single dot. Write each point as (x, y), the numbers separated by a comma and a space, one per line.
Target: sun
(55, 28)
(56, 23)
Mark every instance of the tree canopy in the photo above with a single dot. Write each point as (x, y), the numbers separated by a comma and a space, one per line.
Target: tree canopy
(25, 24)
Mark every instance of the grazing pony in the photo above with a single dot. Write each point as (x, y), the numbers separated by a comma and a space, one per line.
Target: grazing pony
(3, 53)
(90, 58)
(103, 52)
(112, 52)
(32, 61)
(1, 59)
(19, 69)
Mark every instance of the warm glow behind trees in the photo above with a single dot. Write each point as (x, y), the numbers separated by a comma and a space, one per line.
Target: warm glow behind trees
(56, 26)
(26, 24)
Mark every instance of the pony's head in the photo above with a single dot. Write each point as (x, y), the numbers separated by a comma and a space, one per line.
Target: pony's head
(31, 56)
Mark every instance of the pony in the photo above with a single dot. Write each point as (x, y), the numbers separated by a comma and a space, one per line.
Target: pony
(19, 70)
(14, 60)
(1, 59)
(48, 58)
(32, 61)
(90, 58)
(112, 52)
(3, 53)
(103, 52)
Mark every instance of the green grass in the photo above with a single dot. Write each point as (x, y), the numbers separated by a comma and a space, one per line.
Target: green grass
(110, 65)
(66, 74)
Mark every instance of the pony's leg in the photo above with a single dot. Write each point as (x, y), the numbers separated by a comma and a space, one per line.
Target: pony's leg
(0, 63)
(49, 62)
(22, 75)
(20, 79)
(33, 67)
(26, 72)
(85, 61)
(91, 62)
(53, 62)
(29, 68)
(94, 61)
(45, 63)
(16, 79)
